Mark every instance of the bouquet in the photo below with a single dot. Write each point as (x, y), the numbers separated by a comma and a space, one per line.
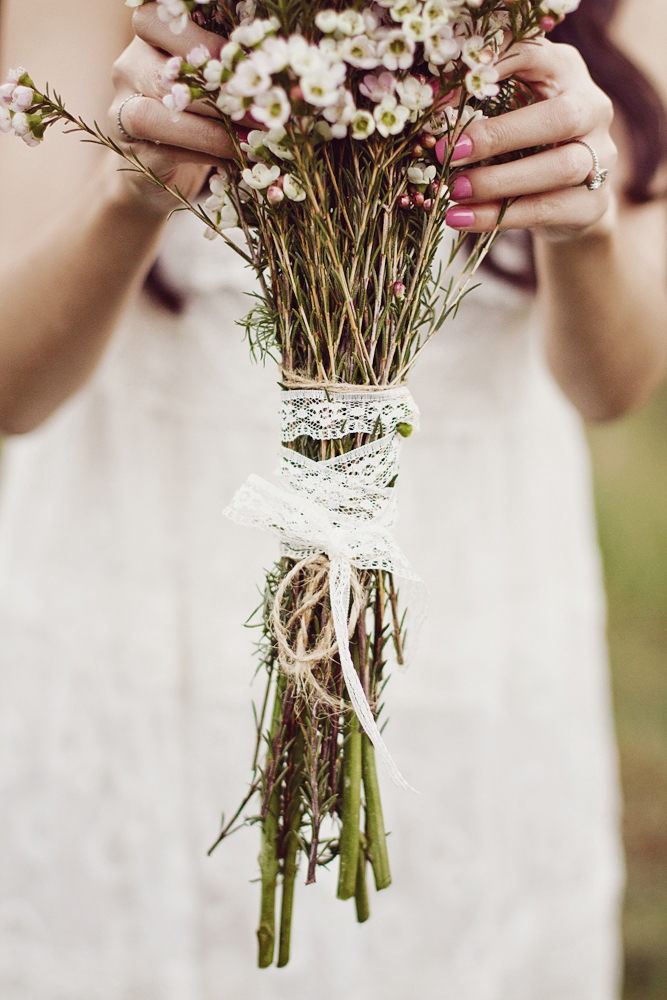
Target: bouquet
(341, 192)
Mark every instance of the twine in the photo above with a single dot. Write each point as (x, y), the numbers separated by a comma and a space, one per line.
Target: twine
(298, 659)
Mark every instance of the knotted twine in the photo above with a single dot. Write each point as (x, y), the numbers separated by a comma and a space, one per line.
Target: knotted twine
(343, 508)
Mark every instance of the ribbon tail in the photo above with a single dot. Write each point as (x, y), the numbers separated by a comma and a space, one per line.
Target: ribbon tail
(339, 586)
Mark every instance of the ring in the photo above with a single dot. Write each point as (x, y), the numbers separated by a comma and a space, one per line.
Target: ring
(130, 138)
(599, 176)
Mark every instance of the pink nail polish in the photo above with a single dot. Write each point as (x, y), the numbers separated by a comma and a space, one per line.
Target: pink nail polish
(440, 149)
(460, 218)
(462, 149)
(462, 189)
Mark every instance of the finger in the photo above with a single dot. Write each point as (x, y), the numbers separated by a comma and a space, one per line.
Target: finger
(146, 119)
(570, 210)
(572, 106)
(563, 167)
(148, 26)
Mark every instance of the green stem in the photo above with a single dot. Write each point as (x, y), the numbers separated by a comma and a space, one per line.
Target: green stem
(361, 890)
(377, 839)
(349, 834)
(268, 855)
(290, 865)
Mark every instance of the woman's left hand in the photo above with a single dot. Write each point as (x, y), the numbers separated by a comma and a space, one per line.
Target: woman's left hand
(548, 185)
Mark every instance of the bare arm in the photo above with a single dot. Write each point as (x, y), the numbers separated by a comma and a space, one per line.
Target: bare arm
(77, 236)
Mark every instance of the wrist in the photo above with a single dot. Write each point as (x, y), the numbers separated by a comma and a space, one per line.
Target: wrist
(125, 193)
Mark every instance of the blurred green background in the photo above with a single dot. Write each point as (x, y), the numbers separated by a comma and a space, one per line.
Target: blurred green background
(630, 463)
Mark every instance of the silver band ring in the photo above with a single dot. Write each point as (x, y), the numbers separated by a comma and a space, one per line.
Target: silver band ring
(130, 138)
(598, 176)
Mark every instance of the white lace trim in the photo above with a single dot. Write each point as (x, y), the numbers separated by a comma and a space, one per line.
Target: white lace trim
(326, 415)
(345, 508)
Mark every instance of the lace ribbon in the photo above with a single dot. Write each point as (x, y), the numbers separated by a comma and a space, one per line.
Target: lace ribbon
(345, 508)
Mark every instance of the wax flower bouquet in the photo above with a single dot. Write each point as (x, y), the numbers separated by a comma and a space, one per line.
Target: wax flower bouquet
(341, 192)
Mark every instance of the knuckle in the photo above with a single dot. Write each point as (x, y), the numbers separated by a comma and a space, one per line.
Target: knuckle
(141, 17)
(573, 169)
(570, 112)
(541, 211)
(137, 118)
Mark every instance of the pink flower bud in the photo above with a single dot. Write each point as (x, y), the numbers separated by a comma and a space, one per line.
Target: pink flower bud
(404, 201)
(274, 195)
(21, 98)
(296, 93)
(547, 24)
(172, 69)
(418, 199)
(427, 140)
(428, 204)
(399, 289)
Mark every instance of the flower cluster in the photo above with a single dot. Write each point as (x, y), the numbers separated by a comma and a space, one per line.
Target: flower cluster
(377, 69)
(17, 96)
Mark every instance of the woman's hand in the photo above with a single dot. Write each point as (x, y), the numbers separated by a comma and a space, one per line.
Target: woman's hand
(551, 200)
(179, 152)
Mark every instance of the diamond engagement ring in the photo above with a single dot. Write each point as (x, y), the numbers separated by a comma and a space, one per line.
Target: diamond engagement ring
(127, 135)
(598, 176)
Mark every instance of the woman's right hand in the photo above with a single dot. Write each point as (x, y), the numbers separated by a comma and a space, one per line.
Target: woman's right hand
(180, 152)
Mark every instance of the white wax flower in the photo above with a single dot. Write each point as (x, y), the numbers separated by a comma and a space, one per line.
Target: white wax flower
(20, 124)
(175, 14)
(362, 125)
(559, 7)
(249, 79)
(178, 100)
(198, 56)
(350, 22)
(274, 54)
(481, 82)
(327, 21)
(260, 176)
(402, 8)
(293, 188)
(390, 116)
(360, 52)
(414, 94)
(5, 119)
(321, 89)
(437, 12)
(7, 92)
(417, 27)
(14, 75)
(253, 33)
(272, 107)
(133, 3)
(231, 105)
(230, 54)
(340, 114)
(375, 88)
(421, 173)
(475, 52)
(305, 58)
(245, 11)
(212, 74)
(396, 50)
(442, 47)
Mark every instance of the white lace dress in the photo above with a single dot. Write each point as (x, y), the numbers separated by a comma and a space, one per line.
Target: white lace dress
(125, 682)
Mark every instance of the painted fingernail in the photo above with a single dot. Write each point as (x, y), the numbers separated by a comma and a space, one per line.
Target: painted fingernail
(462, 149)
(459, 218)
(462, 189)
(440, 149)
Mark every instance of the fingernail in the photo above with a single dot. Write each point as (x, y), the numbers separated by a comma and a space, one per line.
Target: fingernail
(459, 218)
(462, 189)
(441, 149)
(462, 149)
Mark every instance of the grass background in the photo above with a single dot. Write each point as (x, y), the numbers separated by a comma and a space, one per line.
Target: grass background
(630, 464)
